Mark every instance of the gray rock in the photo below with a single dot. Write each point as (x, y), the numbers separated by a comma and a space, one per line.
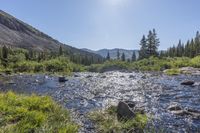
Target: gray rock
(187, 82)
(124, 112)
(75, 75)
(174, 107)
(103, 77)
(62, 79)
(89, 76)
(131, 76)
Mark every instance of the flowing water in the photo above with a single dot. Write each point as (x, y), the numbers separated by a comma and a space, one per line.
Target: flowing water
(85, 92)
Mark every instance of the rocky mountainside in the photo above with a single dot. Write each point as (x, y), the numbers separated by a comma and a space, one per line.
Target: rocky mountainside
(14, 32)
(113, 52)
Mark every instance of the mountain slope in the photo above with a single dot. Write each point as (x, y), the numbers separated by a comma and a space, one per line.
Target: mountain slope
(16, 33)
(113, 52)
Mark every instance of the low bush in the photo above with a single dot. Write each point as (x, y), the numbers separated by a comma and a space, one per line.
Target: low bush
(173, 71)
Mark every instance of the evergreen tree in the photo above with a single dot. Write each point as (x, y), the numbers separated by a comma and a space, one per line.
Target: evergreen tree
(197, 43)
(108, 56)
(152, 43)
(123, 58)
(133, 56)
(60, 51)
(118, 55)
(179, 50)
(4, 52)
(4, 59)
(143, 49)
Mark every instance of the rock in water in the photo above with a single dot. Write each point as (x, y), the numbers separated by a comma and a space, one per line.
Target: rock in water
(187, 82)
(124, 112)
(62, 79)
(174, 107)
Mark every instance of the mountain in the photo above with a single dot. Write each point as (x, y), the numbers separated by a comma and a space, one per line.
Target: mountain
(15, 33)
(113, 52)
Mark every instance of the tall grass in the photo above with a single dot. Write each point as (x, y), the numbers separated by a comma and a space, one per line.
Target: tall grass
(29, 114)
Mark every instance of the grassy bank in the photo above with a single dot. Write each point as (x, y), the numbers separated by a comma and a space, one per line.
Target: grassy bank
(28, 114)
(107, 122)
(151, 64)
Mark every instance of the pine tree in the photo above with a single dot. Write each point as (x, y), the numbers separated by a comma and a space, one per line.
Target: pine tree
(118, 55)
(4, 59)
(133, 56)
(108, 56)
(152, 43)
(123, 58)
(179, 49)
(197, 43)
(4, 52)
(143, 49)
(60, 51)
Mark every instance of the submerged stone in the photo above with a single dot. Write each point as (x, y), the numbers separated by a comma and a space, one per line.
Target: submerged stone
(62, 79)
(187, 82)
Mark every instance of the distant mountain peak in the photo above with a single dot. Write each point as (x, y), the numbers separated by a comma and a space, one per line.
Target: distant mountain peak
(113, 52)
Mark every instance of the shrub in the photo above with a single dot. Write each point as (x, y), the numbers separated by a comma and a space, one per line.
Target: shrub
(172, 71)
(195, 62)
(25, 66)
(60, 64)
(38, 67)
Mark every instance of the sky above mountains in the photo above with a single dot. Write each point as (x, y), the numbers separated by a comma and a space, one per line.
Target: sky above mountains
(97, 24)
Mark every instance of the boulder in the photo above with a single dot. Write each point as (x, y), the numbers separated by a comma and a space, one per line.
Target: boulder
(187, 82)
(131, 76)
(75, 75)
(103, 77)
(124, 111)
(174, 108)
(89, 76)
(62, 79)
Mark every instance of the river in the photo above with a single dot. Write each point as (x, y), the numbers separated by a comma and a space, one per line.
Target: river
(85, 92)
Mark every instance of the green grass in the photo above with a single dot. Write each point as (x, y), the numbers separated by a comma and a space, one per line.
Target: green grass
(150, 64)
(107, 122)
(29, 114)
(173, 72)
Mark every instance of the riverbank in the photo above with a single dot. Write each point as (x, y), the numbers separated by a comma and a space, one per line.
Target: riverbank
(150, 64)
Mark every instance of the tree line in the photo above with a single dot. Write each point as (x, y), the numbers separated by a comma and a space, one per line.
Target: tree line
(13, 55)
(189, 49)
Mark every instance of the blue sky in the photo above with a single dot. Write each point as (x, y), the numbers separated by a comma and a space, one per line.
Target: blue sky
(97, 24)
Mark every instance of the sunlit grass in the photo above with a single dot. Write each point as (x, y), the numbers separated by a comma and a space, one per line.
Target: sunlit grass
(107, 122)
(28, 114)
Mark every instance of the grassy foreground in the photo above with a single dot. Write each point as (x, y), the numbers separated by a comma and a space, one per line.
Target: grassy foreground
(29, 114)
(107, 122)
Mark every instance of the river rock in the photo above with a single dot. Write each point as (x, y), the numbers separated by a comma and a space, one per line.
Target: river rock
(89, 76)
(103, 77)
(174, 107)
(62, 79)
(131, 76)
(187, 82)
(124, 111)
(75, 75)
